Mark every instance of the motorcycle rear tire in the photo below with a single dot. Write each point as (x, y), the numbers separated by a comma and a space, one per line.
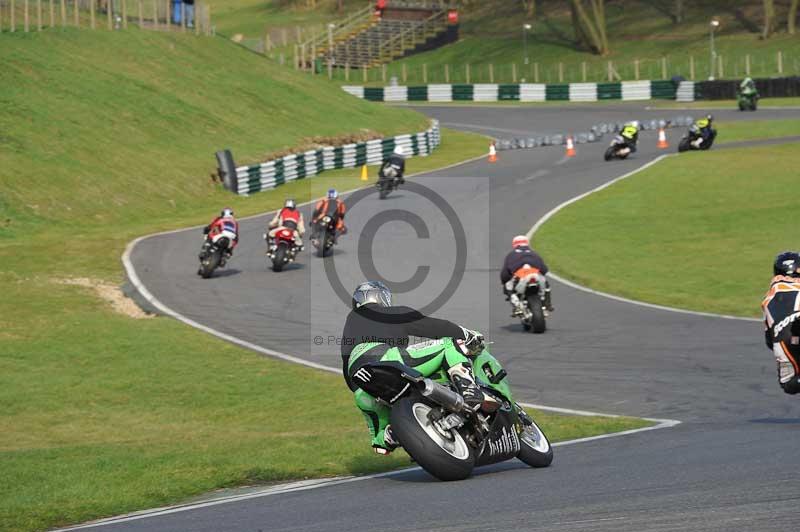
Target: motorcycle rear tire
(279, 260)
(422, 448)
(208, 266)
(538, 322)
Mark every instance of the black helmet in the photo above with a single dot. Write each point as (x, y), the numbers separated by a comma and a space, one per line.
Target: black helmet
(787, 263)
(372, 292)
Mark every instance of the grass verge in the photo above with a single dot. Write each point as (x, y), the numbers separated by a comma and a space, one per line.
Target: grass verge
(687, 232)
(757, 129)
(109, 135)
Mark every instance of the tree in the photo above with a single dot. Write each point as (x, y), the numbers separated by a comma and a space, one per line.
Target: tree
(590, 26)
(790, 24)
(678, 17)
(530, 8)
(769, 19)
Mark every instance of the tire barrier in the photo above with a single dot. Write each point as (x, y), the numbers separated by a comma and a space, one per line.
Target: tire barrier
(270, 174)
(594, 134)
(528, 92)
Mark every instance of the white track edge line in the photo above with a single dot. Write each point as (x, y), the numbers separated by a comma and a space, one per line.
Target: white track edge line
(306, 485)
(577, 286)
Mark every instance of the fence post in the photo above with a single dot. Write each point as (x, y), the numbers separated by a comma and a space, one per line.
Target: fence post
(63, 13)
(13, 15)
(39, 15)
(75, 13)
(302, 57)
(536, 72)
(691, 68)
(514, 72)
(281, 59)
(141, 13)
(26, 18)
(447, 73)
(466, 72)
(347, 71)
(747, 65)
(721, 71)
(364, 73)
(405, 73)
(295, 57)
(209, 28)
(125, 14)
(425, 73)
(663, 68)
(491, 73)
(560, 72)
(583, 71)
(383, 72)
(780, 62)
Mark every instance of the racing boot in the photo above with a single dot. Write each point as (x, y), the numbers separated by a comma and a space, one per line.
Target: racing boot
(389, 442)
(464, 381)
(548, 303)
(516, 305)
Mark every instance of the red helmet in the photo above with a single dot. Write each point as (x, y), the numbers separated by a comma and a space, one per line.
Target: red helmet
(520, 241)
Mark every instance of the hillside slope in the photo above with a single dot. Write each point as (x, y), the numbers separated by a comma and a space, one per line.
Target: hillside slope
(90, 116)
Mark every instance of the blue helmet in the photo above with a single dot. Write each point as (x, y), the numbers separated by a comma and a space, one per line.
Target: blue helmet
(372, 292)
(787, 263)
(332, 194)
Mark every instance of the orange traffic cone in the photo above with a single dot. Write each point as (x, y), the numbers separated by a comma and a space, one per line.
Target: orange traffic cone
(492, 153)
(662, 139)
(570, 147)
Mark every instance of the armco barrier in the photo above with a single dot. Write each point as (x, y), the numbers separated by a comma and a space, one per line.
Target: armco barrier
(270, 174)
(529, 92)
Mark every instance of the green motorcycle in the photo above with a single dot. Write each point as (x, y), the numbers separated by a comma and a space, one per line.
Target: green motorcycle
(748, 99)
(432, 423)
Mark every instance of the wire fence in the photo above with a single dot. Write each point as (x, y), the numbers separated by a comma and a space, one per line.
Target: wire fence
(757, 64)
(166, 15)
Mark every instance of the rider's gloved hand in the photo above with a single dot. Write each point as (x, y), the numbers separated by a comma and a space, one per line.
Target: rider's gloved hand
(473, 343)
(464, 381)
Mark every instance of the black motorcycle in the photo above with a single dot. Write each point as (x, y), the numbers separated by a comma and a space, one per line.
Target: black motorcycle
(389, 178)
(618, 149)
(212, 256)
(687, 142)
(430, 420)
(324, 235)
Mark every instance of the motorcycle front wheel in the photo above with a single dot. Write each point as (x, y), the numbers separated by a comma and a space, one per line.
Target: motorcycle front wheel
(384, 188)
(534, 447)
(684, 145)
(322, 240)
(609, 153)
(445, 455)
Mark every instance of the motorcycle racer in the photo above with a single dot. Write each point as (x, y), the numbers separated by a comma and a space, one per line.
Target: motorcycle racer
(522, 266)
(376, 330)
(288, 217)
(701, 130)
(331, 206)
(395, 166)
(224, 225)
(781, 329)
(630, 135)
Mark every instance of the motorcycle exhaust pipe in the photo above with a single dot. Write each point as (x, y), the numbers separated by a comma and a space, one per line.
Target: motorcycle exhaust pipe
(442, 395)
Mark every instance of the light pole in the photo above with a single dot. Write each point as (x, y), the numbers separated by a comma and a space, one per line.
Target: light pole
(525, 29)
(713, 25)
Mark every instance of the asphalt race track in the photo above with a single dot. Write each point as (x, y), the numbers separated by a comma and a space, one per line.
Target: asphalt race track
(731, 464)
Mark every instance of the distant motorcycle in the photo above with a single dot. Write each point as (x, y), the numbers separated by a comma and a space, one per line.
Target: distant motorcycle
(324, 235)
(389, 178)
(618, 149)
(748, 100)
(283, 249)
(531, 309)
(212, 254)
(690, 140)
